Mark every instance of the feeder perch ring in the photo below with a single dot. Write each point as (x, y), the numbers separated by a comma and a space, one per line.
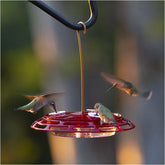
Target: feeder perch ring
(80, 125)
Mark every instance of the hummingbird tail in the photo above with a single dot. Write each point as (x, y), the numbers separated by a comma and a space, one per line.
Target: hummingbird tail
(22, 108)
(147, 95)
(19, 109)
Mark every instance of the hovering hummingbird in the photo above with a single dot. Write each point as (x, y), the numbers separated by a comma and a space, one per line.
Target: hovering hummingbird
(105, 114)
(40, 101)
(125, 86)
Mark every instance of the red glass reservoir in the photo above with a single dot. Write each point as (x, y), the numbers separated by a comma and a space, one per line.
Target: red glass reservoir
(81, 125)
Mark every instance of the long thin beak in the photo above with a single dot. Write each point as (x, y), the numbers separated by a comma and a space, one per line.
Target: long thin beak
(53, 107)
(114, 85)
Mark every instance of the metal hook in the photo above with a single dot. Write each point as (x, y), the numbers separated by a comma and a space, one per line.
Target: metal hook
(65, 21)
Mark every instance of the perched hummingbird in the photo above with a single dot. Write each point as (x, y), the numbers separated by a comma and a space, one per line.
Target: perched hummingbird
(40, 101)
(105, 114)
(125, 86)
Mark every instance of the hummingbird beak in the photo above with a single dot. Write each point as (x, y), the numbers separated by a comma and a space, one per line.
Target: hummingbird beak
(53, 106)
(114, 85)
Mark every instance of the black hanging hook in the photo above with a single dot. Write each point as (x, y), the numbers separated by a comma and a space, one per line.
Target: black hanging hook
(65, 21)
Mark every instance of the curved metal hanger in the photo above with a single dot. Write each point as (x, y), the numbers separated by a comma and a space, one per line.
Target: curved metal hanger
(65, 21)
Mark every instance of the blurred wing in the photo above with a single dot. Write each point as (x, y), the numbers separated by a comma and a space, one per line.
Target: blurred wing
(39, 104)
(30, 97)
(52, 96)
(112, 79)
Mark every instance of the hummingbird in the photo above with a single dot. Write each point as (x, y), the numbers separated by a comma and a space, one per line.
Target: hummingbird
(125, 86)
(105, 114)
(39, 101)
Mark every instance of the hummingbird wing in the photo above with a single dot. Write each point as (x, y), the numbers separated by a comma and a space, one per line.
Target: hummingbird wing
(39, 104)
(106, 113)
(30, 97)
(33, 106)
(113, 80)
(45, 99)
(52, 96)
(42, 96)
(118, 83)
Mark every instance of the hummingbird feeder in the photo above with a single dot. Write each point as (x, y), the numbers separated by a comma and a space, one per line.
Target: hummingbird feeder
(78, 124)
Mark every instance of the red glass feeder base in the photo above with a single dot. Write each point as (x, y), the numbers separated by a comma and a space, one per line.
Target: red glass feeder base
(80, 125)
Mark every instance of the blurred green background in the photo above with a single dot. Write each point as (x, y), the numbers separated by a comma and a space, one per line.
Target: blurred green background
(20, 75)
(24, 72)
